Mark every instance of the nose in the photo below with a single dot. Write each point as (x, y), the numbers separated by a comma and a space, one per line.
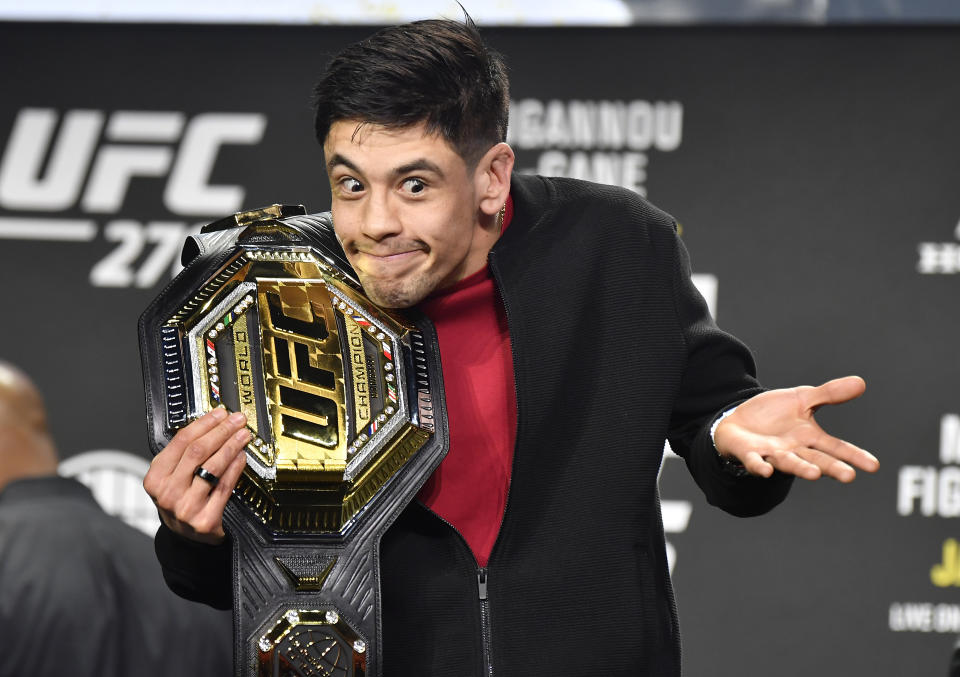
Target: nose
(379, 218)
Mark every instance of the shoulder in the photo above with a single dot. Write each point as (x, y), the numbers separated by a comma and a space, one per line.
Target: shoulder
(605, 208)
(586, 217)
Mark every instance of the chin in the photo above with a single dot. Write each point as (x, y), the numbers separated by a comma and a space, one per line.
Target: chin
(392, 303)
(395, 296)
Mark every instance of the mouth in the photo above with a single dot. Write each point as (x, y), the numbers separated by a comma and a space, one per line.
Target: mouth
(389, 262)
(391, 256)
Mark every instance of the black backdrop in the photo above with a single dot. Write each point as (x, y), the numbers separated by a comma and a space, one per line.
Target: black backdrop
(815, 172)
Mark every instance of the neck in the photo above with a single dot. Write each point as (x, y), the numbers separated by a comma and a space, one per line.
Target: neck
(487, 234)
(24, 456)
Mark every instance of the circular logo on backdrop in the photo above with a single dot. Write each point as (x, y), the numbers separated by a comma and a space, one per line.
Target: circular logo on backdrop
(116, 480)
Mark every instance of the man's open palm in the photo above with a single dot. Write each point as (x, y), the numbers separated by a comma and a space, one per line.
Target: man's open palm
(776, 431)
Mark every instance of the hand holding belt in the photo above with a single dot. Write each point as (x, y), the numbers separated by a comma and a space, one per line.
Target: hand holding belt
(345, 408)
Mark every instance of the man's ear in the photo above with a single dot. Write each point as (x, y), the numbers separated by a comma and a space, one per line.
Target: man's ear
(492, 178)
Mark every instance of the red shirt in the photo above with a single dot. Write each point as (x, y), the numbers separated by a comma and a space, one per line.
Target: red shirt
(469, 489)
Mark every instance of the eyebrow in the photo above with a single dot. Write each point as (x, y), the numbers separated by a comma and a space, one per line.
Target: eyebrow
(418, 165)
(338, 159)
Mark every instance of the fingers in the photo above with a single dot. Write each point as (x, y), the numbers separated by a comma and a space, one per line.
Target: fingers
(825, 465)
(753, 449)
(189, 504)
(192, 497)
(228, 480)
(756, 465)
(845, 451)
(208, 517)
(213, 450)
(810, 464)
(837, 391)
(219, 463)
(809, 455)
(785, 461)
(164, 462)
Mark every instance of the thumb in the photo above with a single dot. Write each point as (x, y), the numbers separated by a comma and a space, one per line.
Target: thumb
(837, 391)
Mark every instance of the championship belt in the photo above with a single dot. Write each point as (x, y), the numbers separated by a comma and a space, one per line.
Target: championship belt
(345, 405)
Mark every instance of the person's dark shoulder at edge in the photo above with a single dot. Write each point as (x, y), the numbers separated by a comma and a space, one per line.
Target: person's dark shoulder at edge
(604, 211)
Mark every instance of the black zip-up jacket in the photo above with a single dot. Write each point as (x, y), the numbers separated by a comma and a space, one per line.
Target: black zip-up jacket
(614, 351)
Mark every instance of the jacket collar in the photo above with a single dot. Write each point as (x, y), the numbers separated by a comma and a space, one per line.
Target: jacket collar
(49, 486)
(531, 209)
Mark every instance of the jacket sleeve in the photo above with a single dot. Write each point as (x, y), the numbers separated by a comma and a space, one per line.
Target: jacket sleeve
(719, 373)
(196, 571)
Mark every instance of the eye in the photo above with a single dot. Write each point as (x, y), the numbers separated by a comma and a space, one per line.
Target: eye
(351, 185)
(414, 185)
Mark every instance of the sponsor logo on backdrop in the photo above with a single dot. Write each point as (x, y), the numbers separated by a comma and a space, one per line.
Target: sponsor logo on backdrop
(86, 161)
(926, 491)
(604, 141)
(676, 513)
(939, 258)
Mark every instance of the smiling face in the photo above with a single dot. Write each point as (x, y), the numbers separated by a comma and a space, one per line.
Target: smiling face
(411, 215)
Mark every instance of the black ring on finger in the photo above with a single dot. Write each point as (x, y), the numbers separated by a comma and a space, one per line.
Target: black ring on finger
(206, 476)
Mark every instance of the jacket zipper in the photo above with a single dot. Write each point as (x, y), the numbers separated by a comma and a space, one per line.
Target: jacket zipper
(485, 621)
(482, 572)
(485, 633)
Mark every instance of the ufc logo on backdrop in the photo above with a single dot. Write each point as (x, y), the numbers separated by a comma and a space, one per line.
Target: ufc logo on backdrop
(87, 160)
(137, 143)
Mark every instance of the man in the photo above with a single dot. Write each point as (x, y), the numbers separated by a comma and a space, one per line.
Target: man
(80, 591)
(573, 343)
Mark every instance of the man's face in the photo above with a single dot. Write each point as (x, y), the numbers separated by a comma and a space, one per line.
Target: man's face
(405, 209)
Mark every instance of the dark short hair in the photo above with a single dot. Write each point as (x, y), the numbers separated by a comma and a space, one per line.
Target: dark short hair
(437, 72)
